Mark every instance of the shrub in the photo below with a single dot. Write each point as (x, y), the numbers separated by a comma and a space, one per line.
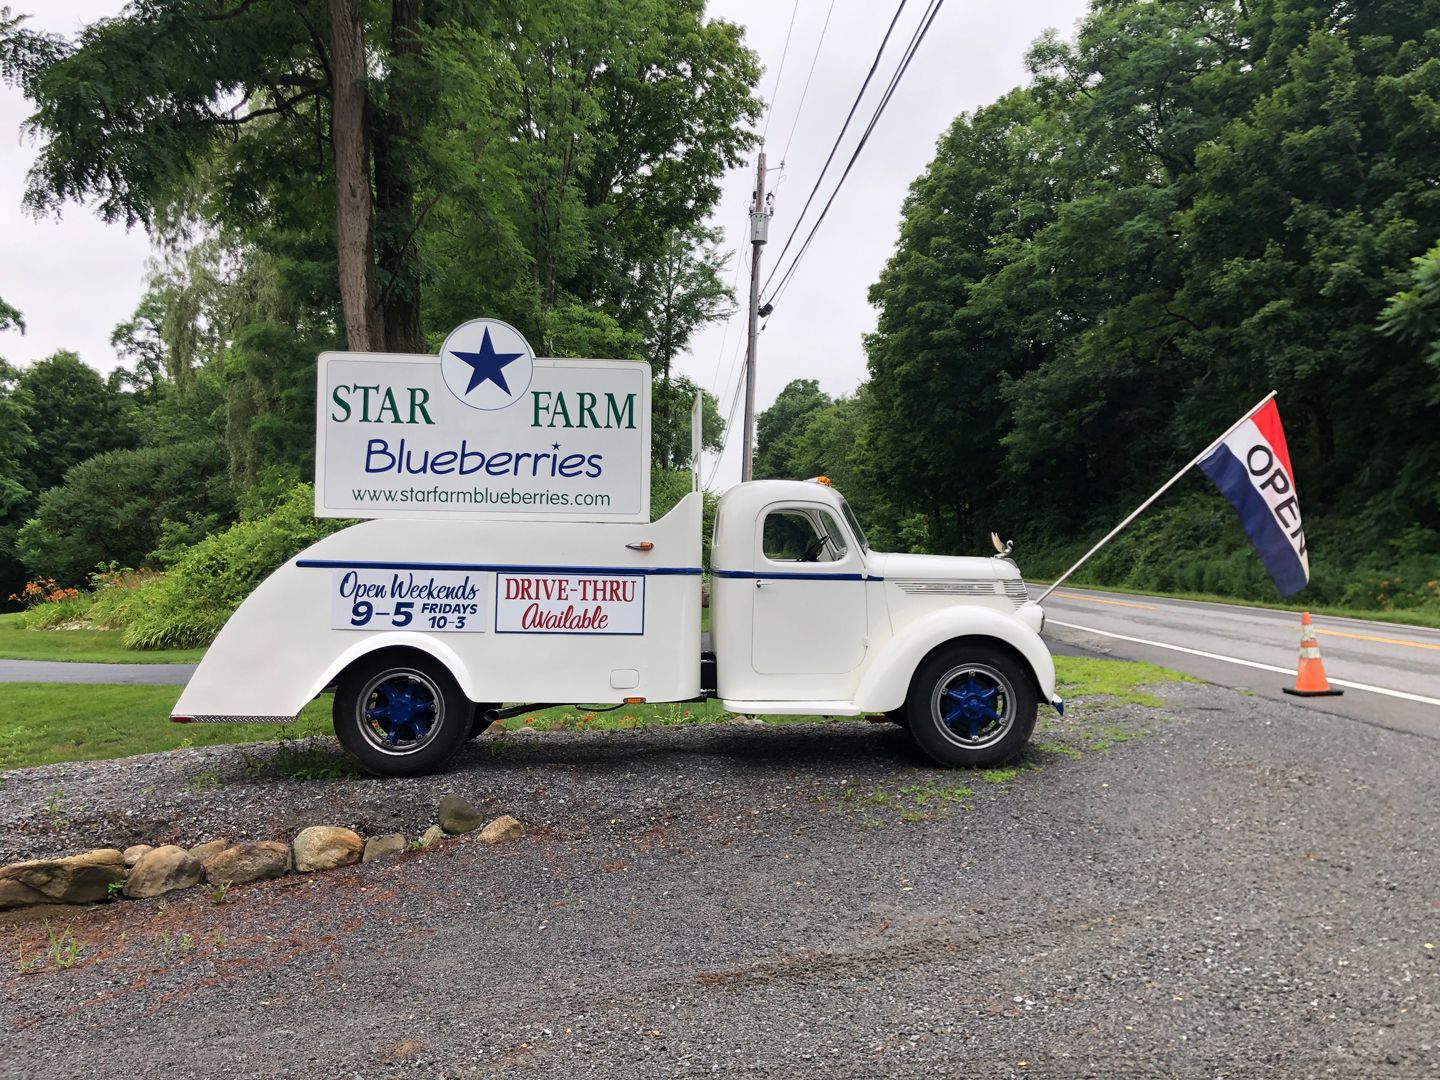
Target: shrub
(119, 595)
(187, 607)
(120, 506)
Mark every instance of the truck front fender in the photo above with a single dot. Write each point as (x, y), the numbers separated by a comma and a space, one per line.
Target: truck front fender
(886, 681)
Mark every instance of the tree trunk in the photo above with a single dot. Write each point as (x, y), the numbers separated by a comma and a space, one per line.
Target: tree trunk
(395, 191)
(364, 329)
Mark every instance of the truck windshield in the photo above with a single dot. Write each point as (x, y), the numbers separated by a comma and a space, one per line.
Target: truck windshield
(854, 523)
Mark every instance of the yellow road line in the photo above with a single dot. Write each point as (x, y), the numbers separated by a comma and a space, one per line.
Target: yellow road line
(1097, 600)
(1381, 640)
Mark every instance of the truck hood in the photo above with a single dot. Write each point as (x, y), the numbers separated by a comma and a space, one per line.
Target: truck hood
(939, 567)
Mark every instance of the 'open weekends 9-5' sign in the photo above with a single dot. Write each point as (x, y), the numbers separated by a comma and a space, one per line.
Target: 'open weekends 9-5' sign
(484, 430)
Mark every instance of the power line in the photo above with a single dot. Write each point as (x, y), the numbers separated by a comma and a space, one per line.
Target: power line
(919, 36)
(874, 65)
(779, 71)
(720, 355)
(806, 88)
(729, 426)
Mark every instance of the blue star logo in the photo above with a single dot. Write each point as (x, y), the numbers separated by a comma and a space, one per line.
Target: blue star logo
(487, 365)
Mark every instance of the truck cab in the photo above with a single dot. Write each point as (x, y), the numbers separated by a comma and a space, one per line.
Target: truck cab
(806, 618)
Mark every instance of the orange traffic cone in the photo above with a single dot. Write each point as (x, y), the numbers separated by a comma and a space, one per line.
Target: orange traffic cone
(1310, 678)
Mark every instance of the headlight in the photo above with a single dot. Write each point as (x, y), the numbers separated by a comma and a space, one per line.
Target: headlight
(1032, 615)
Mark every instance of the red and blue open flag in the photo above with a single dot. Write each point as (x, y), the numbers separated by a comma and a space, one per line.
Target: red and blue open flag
(1251, 467)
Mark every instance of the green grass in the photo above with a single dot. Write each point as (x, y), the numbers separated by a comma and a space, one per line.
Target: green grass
(90, 646)
(42, 723)
(1118, 680)
(1402, 616)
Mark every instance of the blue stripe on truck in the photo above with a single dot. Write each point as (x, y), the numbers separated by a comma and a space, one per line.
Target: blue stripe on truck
(638, 571)
(789, 575)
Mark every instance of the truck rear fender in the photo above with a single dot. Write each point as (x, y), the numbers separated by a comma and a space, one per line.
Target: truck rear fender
(886, 682)
(424, 643)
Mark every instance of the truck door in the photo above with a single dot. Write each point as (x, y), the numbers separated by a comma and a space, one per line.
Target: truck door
(809, 612)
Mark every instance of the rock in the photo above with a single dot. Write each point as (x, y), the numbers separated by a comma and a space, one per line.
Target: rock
(324, 847)
(135, 852)
(748, 721)
(162, 870)
(251, 860)
(201, 852)
(433, 835)
(377, 847)
(457, 815)
(75, 879)
(501, 829)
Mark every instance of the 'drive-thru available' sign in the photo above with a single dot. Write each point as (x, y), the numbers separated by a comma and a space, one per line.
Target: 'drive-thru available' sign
(546, 603)
(484, 430)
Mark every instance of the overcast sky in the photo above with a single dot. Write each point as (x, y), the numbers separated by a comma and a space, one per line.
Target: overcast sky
(76, 277)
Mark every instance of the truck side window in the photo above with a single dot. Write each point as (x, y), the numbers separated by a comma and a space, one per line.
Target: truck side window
(801, 536)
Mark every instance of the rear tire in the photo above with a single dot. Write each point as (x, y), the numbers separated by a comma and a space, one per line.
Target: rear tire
(971, 706)
(401, 714)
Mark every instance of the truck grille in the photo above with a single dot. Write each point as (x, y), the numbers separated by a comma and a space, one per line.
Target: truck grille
(1012, 589)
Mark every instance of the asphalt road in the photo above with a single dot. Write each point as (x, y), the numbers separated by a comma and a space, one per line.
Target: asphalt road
(1390, 673)
(67, 672)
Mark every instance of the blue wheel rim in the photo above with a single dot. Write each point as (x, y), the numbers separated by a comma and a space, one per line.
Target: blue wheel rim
(400, 711)
(973, 706)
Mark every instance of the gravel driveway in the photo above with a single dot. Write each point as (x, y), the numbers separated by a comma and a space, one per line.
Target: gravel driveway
(1248, 890)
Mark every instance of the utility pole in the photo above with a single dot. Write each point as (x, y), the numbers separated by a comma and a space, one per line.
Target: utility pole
(759, 232)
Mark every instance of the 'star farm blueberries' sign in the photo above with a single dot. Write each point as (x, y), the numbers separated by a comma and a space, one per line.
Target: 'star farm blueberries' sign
(484, 430)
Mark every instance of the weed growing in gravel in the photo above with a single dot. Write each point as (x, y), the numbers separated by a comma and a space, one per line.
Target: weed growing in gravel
(218, 890)
(205, 780)
(1108, 736)
(185, 942)
(55, 806)
(114, 889)
(217, 939)
(29, 964)
(1056, 748)
(913, 802)
(1010, 772)
(311, 759)
(64, 950)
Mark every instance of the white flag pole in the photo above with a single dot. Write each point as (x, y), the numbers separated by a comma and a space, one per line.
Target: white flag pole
(697, 438)
(1164, 488)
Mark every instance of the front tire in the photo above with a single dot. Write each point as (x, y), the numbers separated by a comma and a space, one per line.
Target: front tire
(971, 706)
(401, 714)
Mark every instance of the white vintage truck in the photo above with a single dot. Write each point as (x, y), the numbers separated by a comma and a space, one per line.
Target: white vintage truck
(512, 564)
(426, 629)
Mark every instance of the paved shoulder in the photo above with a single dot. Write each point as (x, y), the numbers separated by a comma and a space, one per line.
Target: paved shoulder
(63, 672)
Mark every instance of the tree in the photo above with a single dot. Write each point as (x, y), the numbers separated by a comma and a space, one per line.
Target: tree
(562, 142)
(17, 445)
(1413, 314)
(779, 428)
(681, 291)
(10, 317)
(672, 404)
(1193, 203)
(72, 415)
